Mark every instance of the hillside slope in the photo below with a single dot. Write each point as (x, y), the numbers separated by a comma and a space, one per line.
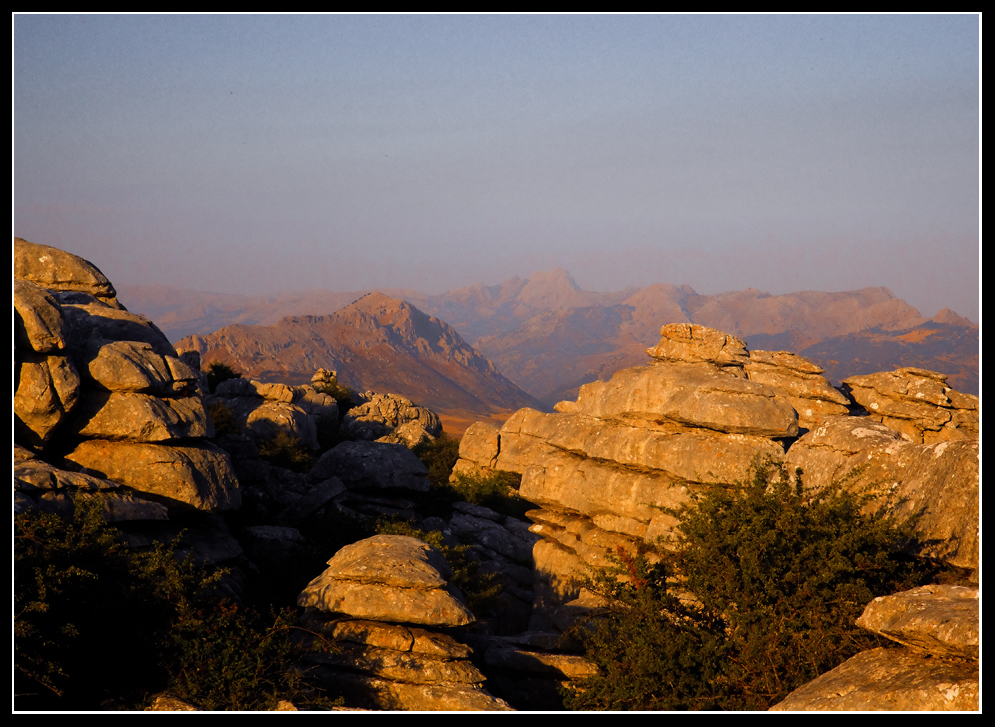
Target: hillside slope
(376, 343)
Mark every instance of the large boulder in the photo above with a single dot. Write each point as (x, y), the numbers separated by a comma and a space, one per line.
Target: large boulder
(56, 269)
(689, 395)
(389, 578)
(46, 389)
(392, 418)
(197, 476)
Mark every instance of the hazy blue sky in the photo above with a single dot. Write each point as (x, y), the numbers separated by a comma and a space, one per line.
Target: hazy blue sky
(264, 153)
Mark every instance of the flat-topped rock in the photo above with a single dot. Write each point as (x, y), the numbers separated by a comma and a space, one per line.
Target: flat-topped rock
(692, 343)
(389, 578)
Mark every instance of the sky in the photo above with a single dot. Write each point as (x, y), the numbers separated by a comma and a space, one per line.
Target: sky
(261, 154)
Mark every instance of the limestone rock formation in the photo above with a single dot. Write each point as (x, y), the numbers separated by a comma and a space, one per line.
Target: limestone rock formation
(917, 403)
(389, 578)
(938, 483)
(937, 668)
(198, 476)
(606, 468)
(105, 386)
(265, 410)
(392, 418)
(939, 620)
(367, 602)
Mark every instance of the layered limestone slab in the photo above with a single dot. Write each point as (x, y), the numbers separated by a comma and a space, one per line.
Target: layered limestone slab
(690, 394)
(140, 417)
(196, 475)
(890, 680)
(939, 619)
(689, 342)
(389, 578)
(939, 483)
(918, 403)
(566, 481)
(801, 381)
(697, 455)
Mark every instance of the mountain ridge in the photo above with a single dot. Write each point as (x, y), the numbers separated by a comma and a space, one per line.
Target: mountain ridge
(513, 324)
(375, 343)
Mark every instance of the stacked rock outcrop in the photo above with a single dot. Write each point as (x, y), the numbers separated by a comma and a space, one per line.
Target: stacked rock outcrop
(605, 468)
(801, 382)
(917, 403)
(265, 410)
(936, 669)
(377, 602)
(392, 418)
(105, 389)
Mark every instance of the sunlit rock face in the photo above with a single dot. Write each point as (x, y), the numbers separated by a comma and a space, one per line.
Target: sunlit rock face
(106, 389)
(606, 468)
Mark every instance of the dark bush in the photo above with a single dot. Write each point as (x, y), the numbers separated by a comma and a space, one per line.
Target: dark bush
(772, 579)
(439, 457)
(218, 372)
(97, 625)
(343, 395)
(288, 451)
(223, 418)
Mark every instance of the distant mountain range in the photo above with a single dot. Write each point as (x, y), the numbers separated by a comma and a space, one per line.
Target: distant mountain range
(549, 336)
(375, 343)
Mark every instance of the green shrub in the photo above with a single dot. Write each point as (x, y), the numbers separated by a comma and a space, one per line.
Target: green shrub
(772, 579)
(497, 490)
(288, 451)
(218, 372)
(439, 457)
(66, 573)
(223, 418)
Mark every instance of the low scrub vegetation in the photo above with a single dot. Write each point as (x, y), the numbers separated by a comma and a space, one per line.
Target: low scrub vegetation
(756, 595)
(100, 626)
